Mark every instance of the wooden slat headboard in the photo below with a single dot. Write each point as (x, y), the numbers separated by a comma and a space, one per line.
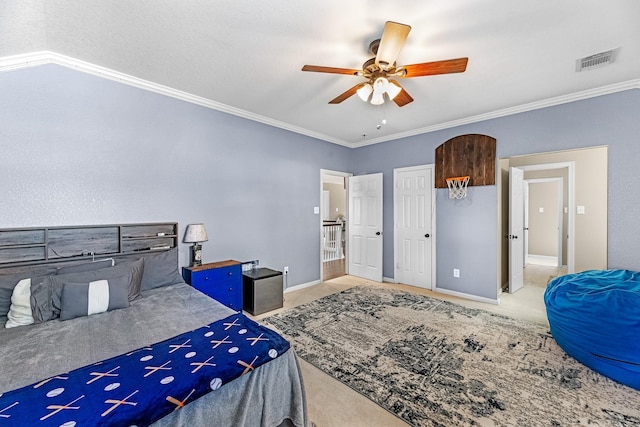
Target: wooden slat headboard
(25, 247)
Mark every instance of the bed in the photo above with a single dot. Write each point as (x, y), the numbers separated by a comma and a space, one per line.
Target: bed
(267, 392)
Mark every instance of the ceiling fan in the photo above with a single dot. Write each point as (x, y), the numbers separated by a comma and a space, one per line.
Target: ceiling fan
(380, 69)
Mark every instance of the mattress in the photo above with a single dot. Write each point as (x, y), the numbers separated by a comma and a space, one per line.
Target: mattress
(271, 395)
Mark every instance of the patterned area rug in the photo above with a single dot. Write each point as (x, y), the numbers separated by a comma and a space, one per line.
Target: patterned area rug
(435, 363)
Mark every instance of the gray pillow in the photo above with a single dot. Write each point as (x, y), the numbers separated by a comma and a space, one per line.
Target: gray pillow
(41, 296)
(161, 269)
(75, 297)
(46, 294)
(86, 266)
(9, 281)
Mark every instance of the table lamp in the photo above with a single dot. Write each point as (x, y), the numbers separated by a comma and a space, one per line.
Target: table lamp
(195, 233)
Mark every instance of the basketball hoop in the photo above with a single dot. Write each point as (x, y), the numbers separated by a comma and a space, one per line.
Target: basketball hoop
(458, 187)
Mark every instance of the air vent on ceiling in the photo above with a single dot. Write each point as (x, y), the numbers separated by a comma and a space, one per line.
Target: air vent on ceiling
(596, 61)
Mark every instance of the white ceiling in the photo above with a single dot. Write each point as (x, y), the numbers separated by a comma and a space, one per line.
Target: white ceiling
(244, 57)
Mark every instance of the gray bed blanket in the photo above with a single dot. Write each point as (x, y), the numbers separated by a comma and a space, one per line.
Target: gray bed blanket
(270, 395)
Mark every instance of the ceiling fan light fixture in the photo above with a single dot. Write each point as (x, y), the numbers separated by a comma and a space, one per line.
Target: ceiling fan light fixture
(378, 71)
(364, 92)
(393, 89)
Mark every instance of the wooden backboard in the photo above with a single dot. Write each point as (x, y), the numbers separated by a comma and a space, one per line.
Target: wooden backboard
(471, 154)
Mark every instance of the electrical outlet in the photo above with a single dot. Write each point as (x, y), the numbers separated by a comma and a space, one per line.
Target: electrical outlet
(286, 270)
(456, 272)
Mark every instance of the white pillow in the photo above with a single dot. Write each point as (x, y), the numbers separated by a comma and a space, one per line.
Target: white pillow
(20, 310)
(98, 296)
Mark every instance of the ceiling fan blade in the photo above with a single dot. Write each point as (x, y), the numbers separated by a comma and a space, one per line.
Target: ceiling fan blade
(458, 65)
(403, 98)
(332, 70)
(348, 93)
(391, 42)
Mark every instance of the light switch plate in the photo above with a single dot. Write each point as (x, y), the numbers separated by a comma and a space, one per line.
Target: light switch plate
(316, 210)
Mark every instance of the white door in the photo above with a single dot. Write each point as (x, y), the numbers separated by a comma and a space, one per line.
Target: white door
(365, 226)
(560, 208)
(525, 232)
(516, 229)
(413, 213)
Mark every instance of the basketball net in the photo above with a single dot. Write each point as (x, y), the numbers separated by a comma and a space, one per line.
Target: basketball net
(458, 187)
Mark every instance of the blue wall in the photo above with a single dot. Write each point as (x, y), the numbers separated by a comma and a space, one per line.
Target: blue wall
(78, 149)
(466, 232)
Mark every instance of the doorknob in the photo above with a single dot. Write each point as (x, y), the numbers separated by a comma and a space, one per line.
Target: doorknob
(378, 233)
(427, 235)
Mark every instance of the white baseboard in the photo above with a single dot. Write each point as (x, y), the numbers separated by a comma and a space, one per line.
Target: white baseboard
(547, 260)
(302, 286)
(388, 280)
(468, 296)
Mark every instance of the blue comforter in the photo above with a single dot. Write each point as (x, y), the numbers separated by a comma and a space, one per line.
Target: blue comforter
(144, 385)
(595, 317)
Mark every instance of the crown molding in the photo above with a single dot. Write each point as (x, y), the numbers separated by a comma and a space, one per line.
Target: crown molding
(35, 59)
(550, 102)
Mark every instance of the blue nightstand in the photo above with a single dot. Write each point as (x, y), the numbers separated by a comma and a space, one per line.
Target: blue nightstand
(221, 281)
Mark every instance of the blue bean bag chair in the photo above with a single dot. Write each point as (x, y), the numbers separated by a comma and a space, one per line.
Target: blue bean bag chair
(595, 317)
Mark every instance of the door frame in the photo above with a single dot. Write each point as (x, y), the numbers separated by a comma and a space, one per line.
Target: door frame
(571, 202)
(526, 220)
(345, 176)
(396, 249)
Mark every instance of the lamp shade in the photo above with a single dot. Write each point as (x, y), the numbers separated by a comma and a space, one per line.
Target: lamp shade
(365, 91)
(393, 89)
(195, 233)
(380, 85)
(377, 98)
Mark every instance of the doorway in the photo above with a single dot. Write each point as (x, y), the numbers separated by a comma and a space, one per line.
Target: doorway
(519, 213)
(544, 219)
(584, 207)
(333, 224)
